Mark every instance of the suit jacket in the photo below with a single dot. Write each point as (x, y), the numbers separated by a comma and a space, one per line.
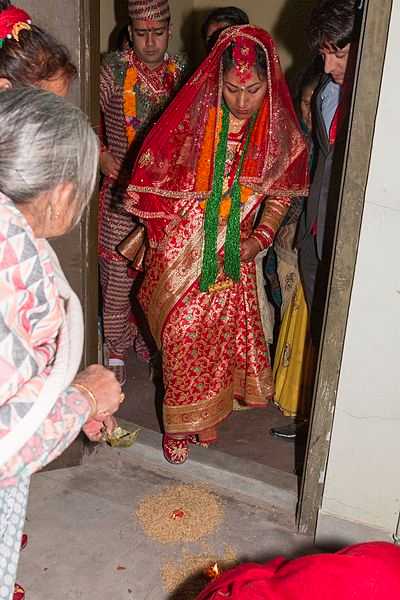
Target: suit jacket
(316, 205)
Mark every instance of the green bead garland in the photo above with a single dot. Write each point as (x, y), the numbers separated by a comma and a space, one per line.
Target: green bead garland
(211, 219)
(209, 268)
(232, 240)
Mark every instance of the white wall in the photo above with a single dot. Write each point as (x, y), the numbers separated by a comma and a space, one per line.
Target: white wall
(363, 474)
(107, 22)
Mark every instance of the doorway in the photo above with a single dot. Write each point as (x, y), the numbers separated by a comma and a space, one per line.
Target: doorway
(349, 190)
(349, 184)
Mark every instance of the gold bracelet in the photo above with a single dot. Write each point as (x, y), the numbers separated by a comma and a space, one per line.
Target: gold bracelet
(92, 397)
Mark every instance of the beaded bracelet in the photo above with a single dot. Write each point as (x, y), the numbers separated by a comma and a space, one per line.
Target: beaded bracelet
(92, 397)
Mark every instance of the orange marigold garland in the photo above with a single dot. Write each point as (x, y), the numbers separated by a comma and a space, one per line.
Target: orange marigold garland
(205, 163)
(172, 68)
(226, 202)
(257, 140)
(230, 206)
(130, 109)
(204, 168)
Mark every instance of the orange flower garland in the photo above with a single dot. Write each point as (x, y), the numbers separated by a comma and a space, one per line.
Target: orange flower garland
(172, 68)
(225, 207)
(226, 202)
(205, 164)
(204, 167)
(130, 102)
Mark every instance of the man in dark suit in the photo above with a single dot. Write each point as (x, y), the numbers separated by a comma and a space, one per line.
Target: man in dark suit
(333, 33)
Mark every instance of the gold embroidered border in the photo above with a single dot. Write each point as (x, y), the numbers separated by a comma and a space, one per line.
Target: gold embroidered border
(195, 418)
(141, 189)
(254, 390)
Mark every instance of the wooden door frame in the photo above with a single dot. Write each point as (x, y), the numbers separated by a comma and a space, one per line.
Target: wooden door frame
(79, 30)
(89, 70)
(89, 94)
(351, 184)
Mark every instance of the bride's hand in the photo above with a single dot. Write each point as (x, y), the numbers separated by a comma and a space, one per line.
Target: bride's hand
(249, 249)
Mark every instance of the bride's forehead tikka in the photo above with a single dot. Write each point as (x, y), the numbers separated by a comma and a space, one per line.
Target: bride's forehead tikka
(244, 56)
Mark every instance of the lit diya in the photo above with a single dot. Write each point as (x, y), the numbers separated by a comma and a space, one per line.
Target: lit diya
(121, 438)
(212, 572)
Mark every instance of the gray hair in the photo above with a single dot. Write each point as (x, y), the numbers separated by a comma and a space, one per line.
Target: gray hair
(45, 141)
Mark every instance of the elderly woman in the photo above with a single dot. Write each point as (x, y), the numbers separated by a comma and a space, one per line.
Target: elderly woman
(43, 402)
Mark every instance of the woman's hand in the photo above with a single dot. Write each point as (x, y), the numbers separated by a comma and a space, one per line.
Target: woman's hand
(96, 430)
(249, 250)
(102, 383)
(110, 166)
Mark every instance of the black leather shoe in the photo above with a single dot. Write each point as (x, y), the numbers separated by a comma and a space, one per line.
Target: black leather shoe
(288, 432)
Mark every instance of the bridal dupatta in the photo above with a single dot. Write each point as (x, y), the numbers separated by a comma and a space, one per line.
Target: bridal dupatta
(214, 348)
(173, 172)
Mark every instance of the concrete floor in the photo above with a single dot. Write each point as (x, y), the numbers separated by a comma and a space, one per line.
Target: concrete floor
(86, 543)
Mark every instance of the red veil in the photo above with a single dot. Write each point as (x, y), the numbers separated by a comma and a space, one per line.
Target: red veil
(176, 160)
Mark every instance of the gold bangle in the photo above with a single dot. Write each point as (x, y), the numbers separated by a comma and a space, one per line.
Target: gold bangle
(92, 397)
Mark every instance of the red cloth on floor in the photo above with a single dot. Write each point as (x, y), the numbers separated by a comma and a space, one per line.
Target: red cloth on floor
(362, 572)
(19, 592)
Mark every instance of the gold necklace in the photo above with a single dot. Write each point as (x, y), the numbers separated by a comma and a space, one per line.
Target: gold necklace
(235, 125)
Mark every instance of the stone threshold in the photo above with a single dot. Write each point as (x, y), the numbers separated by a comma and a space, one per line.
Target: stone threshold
(252, 482)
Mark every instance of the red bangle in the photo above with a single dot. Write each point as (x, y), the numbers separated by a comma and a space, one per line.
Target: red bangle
(264, 235)
(259, 242)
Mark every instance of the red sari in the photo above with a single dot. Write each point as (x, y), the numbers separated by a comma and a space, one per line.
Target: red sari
(214, 346)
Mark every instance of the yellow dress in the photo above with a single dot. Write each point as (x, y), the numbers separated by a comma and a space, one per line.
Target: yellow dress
(293, 360)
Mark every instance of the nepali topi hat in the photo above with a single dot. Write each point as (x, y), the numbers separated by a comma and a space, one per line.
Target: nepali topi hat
(152, 10)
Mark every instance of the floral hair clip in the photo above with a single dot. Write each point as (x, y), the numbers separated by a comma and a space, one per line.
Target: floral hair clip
(12, 21)
(244, 57)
